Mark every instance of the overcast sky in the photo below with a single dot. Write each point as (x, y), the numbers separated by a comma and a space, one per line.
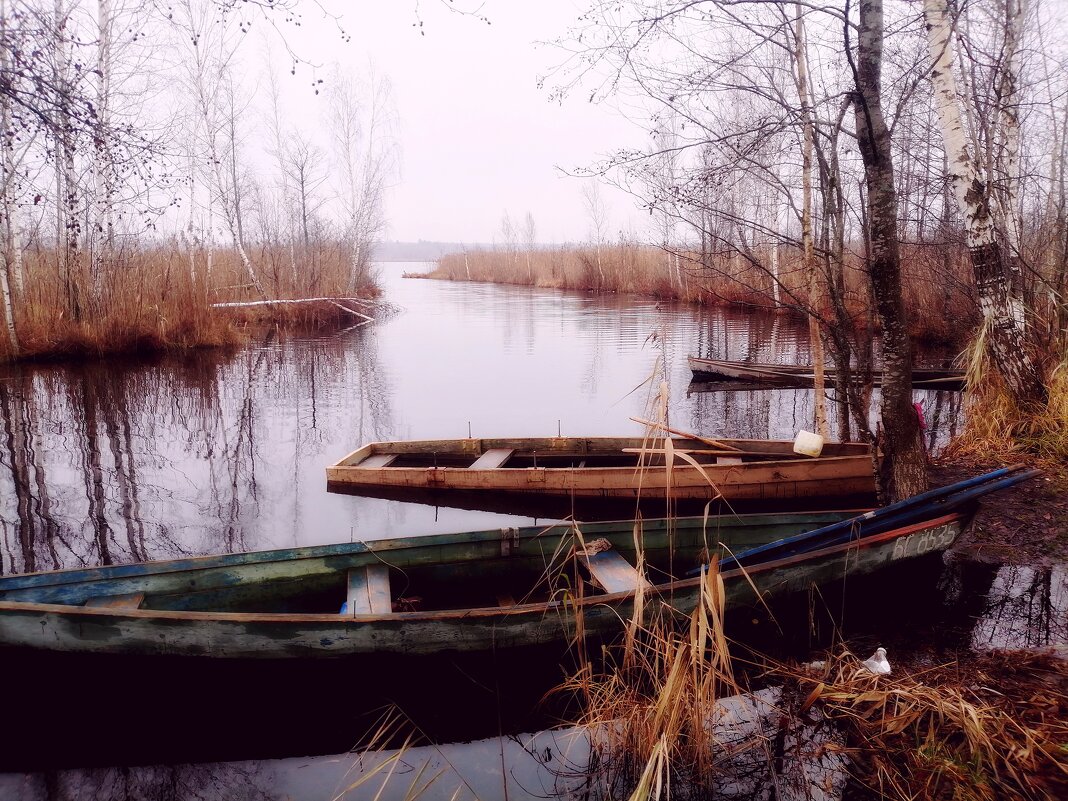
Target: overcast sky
(477, 136)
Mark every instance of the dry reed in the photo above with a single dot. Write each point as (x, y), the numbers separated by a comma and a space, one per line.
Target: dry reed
(151, 300)
(941, 308)
(995, 727)
(996, 428)
(653, 696)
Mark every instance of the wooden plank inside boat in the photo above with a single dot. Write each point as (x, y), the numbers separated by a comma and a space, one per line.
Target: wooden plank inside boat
(130, 600)
(612, 573)
(493, 458)
(369, 591)
(378, 460)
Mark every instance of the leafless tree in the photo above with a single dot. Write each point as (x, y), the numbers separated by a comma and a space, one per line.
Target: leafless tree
(597, 215)
(530, 241)
(364, 149)
(985, 189)
(739, 77)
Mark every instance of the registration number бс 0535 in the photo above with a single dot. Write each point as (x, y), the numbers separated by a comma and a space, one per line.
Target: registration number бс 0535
(934, 539)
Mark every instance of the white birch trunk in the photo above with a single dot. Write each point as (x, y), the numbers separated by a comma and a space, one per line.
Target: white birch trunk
(12, 238)
(102, 169)
(1009, 167)
(191, 227)
(807, 243)
(997, 301)
(209, 241)
(283, 173)
(774, 225)
(59, 70)
(9, 312)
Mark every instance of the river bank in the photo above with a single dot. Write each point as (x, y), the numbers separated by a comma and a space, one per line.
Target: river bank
(935, 283)
(170, 299)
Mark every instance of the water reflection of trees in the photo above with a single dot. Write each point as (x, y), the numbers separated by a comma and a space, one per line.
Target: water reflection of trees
(1026, 607)
(761, 336)
(126, 461)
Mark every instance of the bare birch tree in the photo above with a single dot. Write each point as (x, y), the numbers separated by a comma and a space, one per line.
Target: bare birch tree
(212, 86)
(597, 215)
(999, 298)
(808, 247)
(364, 148)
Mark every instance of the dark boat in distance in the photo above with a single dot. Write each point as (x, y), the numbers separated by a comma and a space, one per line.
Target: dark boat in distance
(731, 470)
(797, 376)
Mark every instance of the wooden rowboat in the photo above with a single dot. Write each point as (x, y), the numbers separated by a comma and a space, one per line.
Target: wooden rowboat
(456, 592)
(604, 467)
(249, 656)
(475, 591)
(783, 375)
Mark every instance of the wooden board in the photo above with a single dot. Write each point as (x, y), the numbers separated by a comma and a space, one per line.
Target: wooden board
(492, 458)
(130, 600)
(378, 460)
(612, 573)
(369, 591)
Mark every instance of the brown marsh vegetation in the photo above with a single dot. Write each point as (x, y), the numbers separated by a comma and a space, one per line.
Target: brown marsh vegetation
(970, 728)
(154, 299)
(936, 287)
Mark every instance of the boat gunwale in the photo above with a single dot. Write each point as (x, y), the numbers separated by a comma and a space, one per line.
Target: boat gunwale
(679, 466)
(73, 575)
(449, 447)
(475, 613)
(734, 370)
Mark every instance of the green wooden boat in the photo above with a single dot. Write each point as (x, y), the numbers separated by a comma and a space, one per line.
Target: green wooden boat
(471, 592)
(241, 656)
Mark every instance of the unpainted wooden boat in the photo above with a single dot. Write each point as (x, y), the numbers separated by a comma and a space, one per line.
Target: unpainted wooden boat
(472, 592)
(615, 467)
(712, 370)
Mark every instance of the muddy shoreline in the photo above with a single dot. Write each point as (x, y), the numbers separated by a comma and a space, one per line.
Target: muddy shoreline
(1025, 524)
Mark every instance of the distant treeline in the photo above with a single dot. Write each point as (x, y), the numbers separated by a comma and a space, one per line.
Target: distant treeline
(416, 251)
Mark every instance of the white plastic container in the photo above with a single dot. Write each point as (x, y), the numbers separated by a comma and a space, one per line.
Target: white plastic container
(808, 444)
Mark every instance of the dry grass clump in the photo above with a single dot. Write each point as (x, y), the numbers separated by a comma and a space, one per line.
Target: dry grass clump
(153, 299)
(995, 427)
(992, 728)
(653, 698)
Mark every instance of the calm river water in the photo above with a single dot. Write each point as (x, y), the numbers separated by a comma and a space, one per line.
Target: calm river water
(121, 460)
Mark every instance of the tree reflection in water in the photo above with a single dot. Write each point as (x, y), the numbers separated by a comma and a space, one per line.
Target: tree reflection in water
(217, 782)
(1026, 607)
(124, 461)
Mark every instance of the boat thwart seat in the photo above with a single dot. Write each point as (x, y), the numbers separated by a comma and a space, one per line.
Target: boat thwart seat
(378, 460)
(368, 591)
(130, 600)
(494, 457)
(612, 573)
